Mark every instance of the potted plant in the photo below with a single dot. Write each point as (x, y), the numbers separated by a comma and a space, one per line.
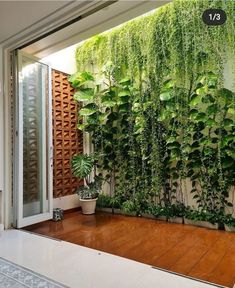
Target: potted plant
(82, 166)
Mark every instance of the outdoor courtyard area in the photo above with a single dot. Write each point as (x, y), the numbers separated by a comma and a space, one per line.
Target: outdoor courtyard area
(29, 260)
(196, 252)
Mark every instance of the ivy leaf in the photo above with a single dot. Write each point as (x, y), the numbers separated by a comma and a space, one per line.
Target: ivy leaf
(208, 151)
(80, 78)
(212, 109)
(86, 112)
(196, 99)
(84, 95)
(124, 107)
(166, 95)
(103, 118)
(124, 93)
(81, 126)
(186, 149)
(170, 140)
(226, 139)
(228, 122)
(109, 103)
(201, 91)
(174, 144)
(123, 100)
(226, 94)
(193, 113)
(210, 122)
(231, 111)
(175, 153)
(168, 84)
(125, 81)
(201, 117)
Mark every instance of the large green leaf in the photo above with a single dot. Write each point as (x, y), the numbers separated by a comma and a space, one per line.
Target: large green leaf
(82, 165)
(195, 100)
(210, 122)
(124, 93)
(81, 127)
(166, 95)
(87, 111)
(80, 78)
(201, 117)
(228, 122)
(201, 91)
(125, 81)
(109, 103)
(84, 95)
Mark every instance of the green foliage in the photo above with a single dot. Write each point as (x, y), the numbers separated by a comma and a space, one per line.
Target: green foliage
(104, 201)
(82, 165)
(203, 215)
(228, 220)
(90, 191)
(158, 112)
(129, 207)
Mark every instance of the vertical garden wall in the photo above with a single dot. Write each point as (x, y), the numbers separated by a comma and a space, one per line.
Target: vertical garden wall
(157, 110)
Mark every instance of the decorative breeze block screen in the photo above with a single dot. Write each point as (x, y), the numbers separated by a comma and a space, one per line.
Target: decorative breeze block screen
(67, 139)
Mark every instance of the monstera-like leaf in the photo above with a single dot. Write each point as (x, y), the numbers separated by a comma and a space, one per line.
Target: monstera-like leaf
(82, 165)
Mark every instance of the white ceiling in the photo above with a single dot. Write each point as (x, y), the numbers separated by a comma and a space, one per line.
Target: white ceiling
(16, 16)
(102, 20)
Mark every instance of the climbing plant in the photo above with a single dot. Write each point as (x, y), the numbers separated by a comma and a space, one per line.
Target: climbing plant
(155, 105)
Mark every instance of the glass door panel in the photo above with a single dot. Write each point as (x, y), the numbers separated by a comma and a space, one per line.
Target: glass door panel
(33, 189)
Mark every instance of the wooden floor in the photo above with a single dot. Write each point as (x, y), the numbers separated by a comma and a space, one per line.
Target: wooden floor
(197, 252)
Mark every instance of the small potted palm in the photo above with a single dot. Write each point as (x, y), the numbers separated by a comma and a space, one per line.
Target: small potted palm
(82, 167)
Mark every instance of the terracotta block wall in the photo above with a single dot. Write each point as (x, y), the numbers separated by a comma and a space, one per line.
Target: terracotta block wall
(67, 139)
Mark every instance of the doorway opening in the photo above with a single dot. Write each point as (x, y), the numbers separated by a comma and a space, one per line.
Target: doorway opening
(46, 136)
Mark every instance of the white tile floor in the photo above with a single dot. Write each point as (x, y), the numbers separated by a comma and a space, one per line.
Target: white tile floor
(80, 267)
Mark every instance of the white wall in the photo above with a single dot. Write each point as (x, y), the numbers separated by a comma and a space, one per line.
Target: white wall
(66, 202)
(63, 60)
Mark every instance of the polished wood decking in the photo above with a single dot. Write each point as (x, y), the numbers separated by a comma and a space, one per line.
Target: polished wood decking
(198, 252)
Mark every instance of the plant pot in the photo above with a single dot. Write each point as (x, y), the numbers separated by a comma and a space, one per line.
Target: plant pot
(204, 224)
(178, 220)
(104, 209)
(88, 206)
(229, 228)
(118, 211)
(161, 218)
(149, 216)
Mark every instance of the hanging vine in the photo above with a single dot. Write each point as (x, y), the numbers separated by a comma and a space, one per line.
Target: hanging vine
(156, 118)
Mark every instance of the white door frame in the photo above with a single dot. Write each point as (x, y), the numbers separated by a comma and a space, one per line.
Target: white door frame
(29, 34)
(46, 152)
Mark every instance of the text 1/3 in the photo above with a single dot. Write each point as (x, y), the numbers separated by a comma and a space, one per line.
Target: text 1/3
(214, 17)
